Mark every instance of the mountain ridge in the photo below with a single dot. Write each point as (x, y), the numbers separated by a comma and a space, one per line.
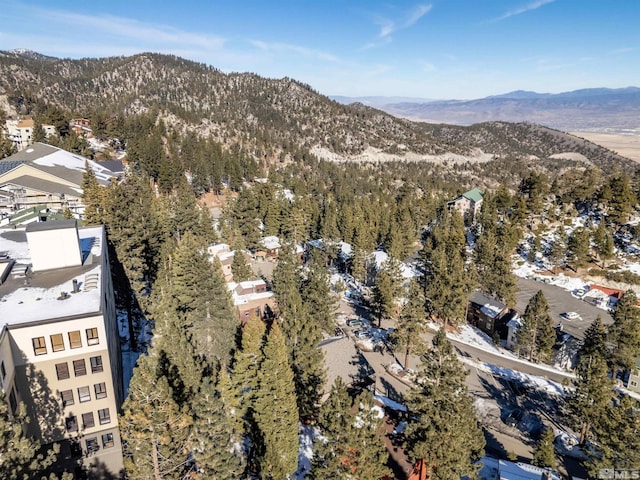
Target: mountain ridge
(269, 118)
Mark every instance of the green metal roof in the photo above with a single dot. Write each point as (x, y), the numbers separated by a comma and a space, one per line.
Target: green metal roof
(473, 194)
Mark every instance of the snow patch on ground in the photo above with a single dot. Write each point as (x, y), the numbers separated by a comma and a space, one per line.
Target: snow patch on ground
(524, 379)
(306, 435)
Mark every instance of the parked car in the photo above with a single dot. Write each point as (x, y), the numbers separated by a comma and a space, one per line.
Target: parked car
(355, 322)
(572, 316)
(362, 334)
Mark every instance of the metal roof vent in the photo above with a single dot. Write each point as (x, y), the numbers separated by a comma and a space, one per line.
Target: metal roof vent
(64, 296)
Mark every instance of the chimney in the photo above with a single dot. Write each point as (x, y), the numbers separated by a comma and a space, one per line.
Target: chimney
(75, 286)
(54, 244)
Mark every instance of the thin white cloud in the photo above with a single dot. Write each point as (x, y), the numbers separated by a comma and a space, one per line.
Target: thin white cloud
(296, 49)
(527, 8)
(384, 41)
(387, 27)
(132, 30)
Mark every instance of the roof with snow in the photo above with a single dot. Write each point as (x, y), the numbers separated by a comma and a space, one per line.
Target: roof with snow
(271, 242)
(67, 166)
(27, 296)
(487, 305)
(522, 471)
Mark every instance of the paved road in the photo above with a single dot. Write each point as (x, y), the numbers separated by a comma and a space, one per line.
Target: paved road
(561, 301)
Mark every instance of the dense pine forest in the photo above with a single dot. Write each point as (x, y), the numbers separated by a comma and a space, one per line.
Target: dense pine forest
(214, 398)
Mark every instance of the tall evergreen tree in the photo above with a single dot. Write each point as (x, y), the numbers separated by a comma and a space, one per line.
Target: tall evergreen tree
(316, 294)
(20, 459)
(276, 410)
(448, 280)
(617, 437)
(593, 392)
(92, 196)
(350, 446)
(625, 332)
(412, 321)
(202, 296)
(155, 432)
(578, 247)
(387, 290)
(214, 443)
(603, 241)
(241, 270)
(442, 415)
(535, 336)
(544, 454)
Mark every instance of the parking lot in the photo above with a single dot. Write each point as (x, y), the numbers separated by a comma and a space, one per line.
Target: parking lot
(561, 301)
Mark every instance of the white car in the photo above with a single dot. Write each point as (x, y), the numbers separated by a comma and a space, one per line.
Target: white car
(572, 316)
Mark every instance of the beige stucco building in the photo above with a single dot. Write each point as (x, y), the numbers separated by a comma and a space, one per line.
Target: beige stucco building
(59, 341)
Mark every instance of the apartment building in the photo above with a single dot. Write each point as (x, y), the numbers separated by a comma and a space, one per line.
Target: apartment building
(59, 342)
(20, 132)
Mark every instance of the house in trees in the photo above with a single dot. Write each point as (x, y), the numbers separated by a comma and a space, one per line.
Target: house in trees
(60, 343)
(225, 255)
(488, 314)
(468, 204)
(634, 378)
(271, 246)
(46, 176)
(252, 298)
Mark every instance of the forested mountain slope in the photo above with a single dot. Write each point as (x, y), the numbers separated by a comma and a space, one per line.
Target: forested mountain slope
(267, 116)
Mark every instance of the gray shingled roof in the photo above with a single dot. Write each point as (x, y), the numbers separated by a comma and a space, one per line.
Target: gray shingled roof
(44, 186)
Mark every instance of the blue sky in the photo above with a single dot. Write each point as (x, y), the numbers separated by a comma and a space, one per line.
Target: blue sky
(432, 49)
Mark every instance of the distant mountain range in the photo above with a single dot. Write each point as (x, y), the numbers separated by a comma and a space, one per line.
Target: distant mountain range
(591, 109)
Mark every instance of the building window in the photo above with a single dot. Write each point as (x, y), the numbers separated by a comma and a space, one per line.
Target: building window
(107, 440)
(76, 448)
(96, 364)
(87, 420)
(39, 347)
(79, 367)
(74, 339)
(2, 370)
(67, 398)
(100, 390)
(92, 445)
(13, 401)
(57, 343)
(92, 336)
(62, 370)
(71, 423)
(104, 416)
(634, 384)
(84, 395)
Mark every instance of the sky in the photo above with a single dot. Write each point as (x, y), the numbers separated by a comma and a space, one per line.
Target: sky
(434, 49)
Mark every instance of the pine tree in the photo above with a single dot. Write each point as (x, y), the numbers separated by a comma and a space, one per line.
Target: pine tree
(38, 131)
(625, 332)
(241, 270)
(275, 409)
(536, 336)
(593, 392)
(412, 321)
(544, 454)
(578, 247)
(350, 446)
(622, 198)
(603, 241)
(442, 415)
(247, 361)
(202, 296)
(316, 294)
(20, 459)
(213, 440)
(448, 280)
(154, 431)
(92, 197)
(594, 342)
(387, 289)
(617, 437)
